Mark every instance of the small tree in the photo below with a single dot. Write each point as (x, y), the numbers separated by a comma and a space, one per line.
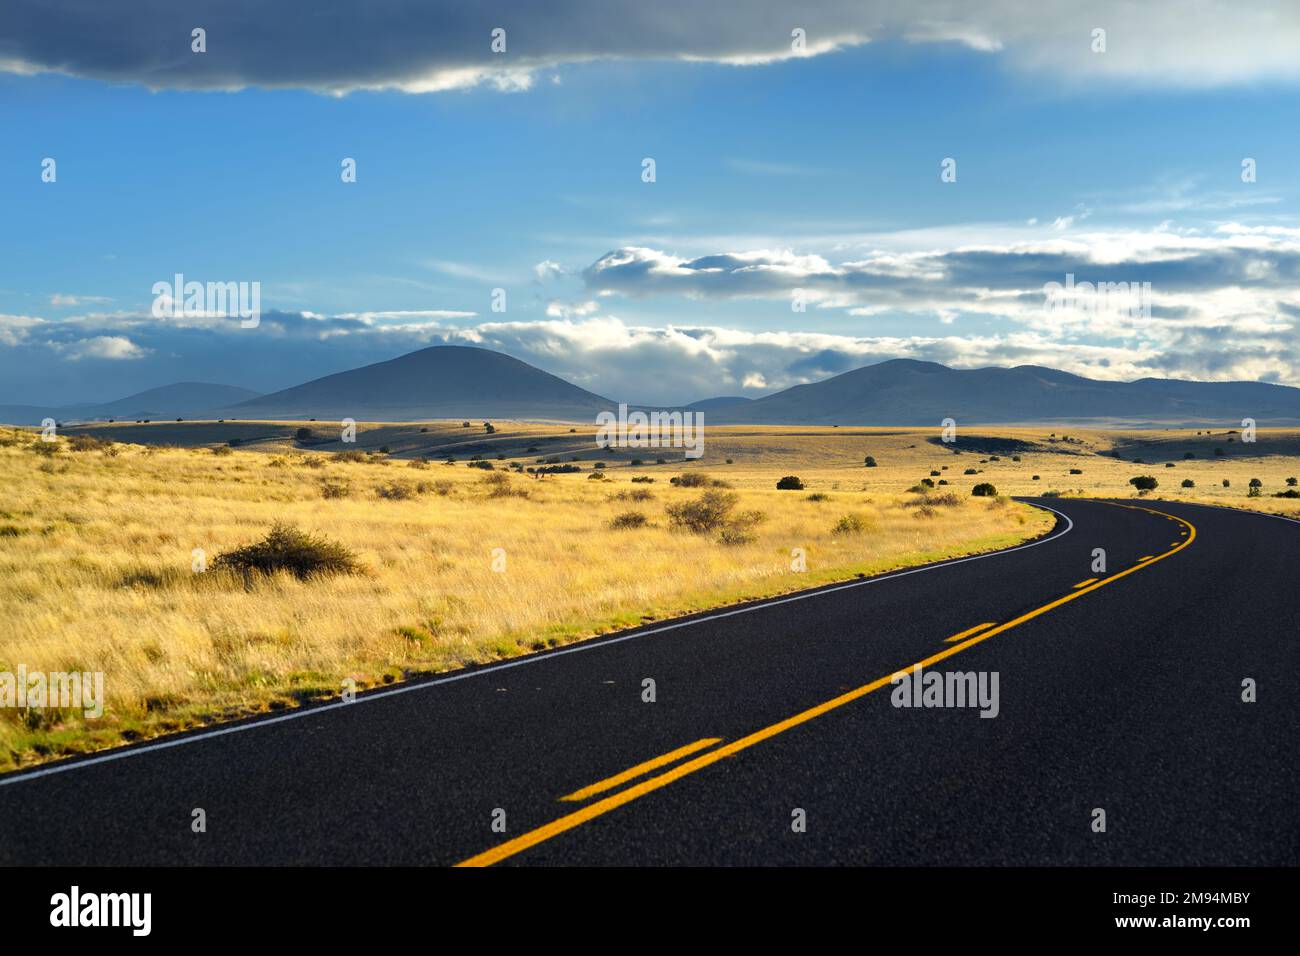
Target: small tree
(1255, 486)
(1144, 483)
(489, 428)
(984, 490)
(1290, 482)
(869, 462)
(1227, 483)
(789, 483)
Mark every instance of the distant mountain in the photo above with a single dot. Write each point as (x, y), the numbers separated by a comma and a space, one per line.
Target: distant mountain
(181, 399)
(713, 404)
(472, 383)
(446, 381)
(908, 392)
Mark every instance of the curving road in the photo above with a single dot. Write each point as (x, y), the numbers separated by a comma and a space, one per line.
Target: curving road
(1119, 691)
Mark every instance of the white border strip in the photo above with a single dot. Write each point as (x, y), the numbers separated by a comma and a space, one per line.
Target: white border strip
(589, 645)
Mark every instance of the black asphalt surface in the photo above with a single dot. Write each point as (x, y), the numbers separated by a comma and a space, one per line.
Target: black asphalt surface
(1127, 699)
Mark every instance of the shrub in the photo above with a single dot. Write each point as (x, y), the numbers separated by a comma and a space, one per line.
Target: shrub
(628, 519)
(596, 476)
(221, 450)
(927, 483)
(1227, 483)
(637, 462)
(642, 479)
(1290, 482)
(464, 424)
(1035, 478)
(395, 492)
(46, 448)
(706, 513)
(692, 479)
(285, 548)
(485, 465)
(335, 489)
(1289, 493)
(599, 464)
(869, 462)
(1144, 483)
(850, 524)
(1169, 464)
(816, 496)
(489, 428)
(1254, 488)
(970, 471)
(418, 463)
(789, 483)
(1076, 471)
(1188, 483)
(934, 474)
(1015, 457)
(736, 534)
(984, 490)
(303, 434)
(87, 443)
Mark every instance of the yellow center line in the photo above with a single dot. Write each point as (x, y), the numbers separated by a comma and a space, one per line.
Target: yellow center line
(1084, 583)
(599, 808)
(631, 773)
(969, 631)
(1145, 558)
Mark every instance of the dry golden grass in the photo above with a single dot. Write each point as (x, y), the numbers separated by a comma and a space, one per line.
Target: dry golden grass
(97, 546)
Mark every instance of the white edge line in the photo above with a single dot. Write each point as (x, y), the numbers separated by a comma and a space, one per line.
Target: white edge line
(589, 645)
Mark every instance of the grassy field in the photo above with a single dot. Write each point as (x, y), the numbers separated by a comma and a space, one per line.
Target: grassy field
(100, 542)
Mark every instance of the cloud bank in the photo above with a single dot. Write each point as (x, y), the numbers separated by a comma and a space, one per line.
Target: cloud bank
(426, 46)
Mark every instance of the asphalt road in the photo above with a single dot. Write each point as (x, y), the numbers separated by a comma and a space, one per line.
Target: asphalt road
(1123, 694)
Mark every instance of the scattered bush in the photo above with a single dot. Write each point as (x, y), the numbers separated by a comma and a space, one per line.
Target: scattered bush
(869, 462)
(1188, 483)
(596, 476)
(1227, 483)
(692, 479)
(789, 483)
(851, 524)
(1290, 482)
(927, 483)
(970, 471)
(335, 489)
(707, 513)
(984, 490)
(816, 496)
(1035, 478)
(1076, 471)
(642, 479)
(486, 465)
(87, 443)
(299, 553)
(627, 520)
(1144, 483)
(1254, 488)
(395, 492)
(1289, 493)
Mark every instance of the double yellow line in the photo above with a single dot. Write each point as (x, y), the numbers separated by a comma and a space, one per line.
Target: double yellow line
(599, 808)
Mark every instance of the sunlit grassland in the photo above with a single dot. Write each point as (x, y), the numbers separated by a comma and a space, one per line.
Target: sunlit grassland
(459, 565)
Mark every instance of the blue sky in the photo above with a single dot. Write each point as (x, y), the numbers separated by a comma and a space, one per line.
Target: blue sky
(818, 173)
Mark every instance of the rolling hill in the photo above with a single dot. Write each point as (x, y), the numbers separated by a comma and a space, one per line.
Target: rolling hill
(167, 401)
(446, 381)
(908, 392)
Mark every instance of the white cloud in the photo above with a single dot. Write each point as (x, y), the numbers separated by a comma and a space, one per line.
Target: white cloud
(113, 347)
